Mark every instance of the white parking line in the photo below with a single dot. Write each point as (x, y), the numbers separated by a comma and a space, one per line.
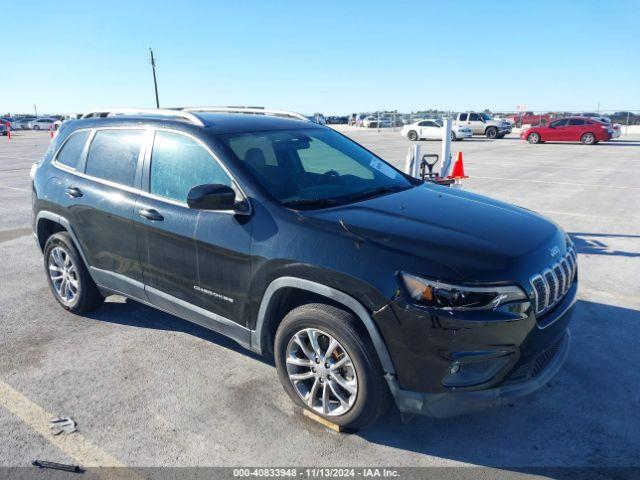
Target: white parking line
(74, 445)
(569, 184)
(14, 157)
(15, 188)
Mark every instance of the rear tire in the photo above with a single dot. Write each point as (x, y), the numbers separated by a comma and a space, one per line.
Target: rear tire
(454, 138)
(68, 278)
(412, 135)
(491, 132)
(588, 139)
(367, 394)
(36, 127)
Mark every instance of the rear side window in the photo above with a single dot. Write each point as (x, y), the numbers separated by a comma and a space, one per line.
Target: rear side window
(72, 149)
(576, 121)
(179, 163)
(113, 155)
(463, 116)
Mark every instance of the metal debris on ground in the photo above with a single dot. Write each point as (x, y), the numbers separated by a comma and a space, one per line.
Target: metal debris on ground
(57, 466)
(64, 425)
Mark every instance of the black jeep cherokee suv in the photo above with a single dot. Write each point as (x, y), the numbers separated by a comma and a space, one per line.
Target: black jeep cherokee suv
(365, 284)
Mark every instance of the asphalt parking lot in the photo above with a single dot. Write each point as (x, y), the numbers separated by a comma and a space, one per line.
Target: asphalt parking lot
(148, 389)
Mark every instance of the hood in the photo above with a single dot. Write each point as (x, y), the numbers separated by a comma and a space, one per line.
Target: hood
(498, 123)
(477, 238)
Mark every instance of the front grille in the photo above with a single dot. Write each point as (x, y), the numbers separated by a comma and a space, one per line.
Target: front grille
(545, 358)
(536, 365)
(551, 285)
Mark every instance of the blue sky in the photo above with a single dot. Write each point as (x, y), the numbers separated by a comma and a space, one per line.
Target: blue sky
(328, 56)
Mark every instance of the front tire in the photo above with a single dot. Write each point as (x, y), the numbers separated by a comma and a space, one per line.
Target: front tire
(412, 135)
(491, 132)
(327, 367)
(533, 138)
(588, 139)
(68, 278)
(454, 138)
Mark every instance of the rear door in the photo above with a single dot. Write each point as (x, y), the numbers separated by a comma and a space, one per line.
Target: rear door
(576, 128)
(99, 195)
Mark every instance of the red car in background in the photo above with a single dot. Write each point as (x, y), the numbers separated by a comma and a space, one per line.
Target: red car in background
(530, 118)
(572, 129)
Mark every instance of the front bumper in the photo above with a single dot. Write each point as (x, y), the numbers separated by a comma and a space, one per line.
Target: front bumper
(423, 356)
(451, 404)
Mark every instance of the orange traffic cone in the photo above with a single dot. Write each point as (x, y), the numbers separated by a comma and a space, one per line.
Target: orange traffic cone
(458, 168)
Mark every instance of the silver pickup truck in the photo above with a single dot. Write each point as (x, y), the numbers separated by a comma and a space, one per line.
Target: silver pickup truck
(483, 124)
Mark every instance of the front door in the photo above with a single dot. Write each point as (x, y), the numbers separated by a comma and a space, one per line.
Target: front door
(476, 124)
(557, 131)
(430, 130)
(189, 257)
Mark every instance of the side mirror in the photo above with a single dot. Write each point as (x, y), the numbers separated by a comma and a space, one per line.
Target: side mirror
(211, 197)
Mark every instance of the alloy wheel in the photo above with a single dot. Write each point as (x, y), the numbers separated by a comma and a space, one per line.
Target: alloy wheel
(63, 274)
(321, 372)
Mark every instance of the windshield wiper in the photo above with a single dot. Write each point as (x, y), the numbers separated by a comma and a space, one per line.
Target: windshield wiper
(374, 192)
(311, 203)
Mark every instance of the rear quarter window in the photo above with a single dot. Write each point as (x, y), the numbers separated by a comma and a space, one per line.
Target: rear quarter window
(72, 149)
(113, 155)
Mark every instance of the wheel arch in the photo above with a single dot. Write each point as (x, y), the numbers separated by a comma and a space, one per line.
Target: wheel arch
(269, 313)
(47, 223)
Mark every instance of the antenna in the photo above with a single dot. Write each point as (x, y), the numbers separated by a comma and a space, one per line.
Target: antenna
(155, 81)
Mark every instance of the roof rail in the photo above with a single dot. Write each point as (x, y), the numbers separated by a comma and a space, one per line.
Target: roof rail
(250, 110)
(161, 112)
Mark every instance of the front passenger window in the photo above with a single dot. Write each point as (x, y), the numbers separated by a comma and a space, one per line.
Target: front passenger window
(179, 163)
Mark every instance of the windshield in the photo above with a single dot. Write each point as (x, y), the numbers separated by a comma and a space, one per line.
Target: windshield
(312, 168)
(486, 116)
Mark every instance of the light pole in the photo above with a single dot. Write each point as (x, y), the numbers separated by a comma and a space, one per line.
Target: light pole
(155, 81)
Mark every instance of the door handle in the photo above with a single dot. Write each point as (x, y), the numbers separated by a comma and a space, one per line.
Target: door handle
(150, 214)
(73, 192)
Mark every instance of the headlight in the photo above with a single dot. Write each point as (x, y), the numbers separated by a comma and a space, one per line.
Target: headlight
(446, 296)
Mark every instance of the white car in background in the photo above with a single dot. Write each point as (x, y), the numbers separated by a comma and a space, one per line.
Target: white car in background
(41, 124)
(375, 122)
(21, 123)
(431, 130)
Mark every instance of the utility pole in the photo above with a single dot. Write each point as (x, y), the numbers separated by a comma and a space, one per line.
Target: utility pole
(155, 82)
(35, 109)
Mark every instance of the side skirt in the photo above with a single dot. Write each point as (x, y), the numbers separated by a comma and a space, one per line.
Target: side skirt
(121, 285)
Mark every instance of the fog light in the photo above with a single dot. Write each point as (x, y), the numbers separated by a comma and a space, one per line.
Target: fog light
(475, 370)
